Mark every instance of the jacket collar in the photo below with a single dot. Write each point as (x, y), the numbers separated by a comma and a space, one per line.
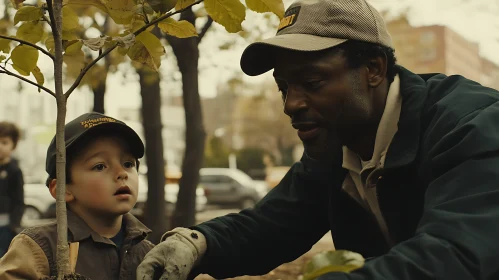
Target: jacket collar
(79, 230)
(405, 144)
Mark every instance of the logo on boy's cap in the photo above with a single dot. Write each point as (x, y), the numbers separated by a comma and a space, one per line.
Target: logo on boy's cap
(3, 174)
(289, 18)
(93, 122)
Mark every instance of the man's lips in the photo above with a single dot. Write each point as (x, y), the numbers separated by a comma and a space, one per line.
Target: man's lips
(307, 130)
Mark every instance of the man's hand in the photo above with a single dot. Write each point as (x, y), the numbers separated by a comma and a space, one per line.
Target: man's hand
(174, 257)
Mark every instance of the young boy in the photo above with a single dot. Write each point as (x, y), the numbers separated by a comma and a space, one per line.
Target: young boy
(101, 188)
(11, 186)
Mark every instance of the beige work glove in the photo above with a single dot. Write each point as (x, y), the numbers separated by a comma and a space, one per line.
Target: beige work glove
(173, 259)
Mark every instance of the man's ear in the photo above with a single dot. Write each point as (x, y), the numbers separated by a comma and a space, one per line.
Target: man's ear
(377, 68)
(52, 188)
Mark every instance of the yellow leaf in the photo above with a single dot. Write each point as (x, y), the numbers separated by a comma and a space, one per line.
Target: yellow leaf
(38, 76)
(69, 35)
(332, 261)
(182, 4)
(180, 29)
(17, 3)
(2, 58)
(229, 13)
(24, 59)
(96, 3)
(69, 19)
(74, 59)
(4, 45)
(121, 11)
(73, 47)
(49, 43)
(162, 6)
(30, 31)
(147, 50)
(263, 6)
(27, 13)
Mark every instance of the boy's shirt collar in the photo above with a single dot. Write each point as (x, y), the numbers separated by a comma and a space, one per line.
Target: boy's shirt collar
(80, 230)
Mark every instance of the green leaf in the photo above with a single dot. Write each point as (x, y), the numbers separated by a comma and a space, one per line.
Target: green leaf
(5, 45)
(180, 29)
(332, 261)
(69, 19)
(229, 13)
(40, 79)
(263, 6)
(49, 43)
(147, 50)
(182, 4)
(30, 31)
(28, 13)
(121, 11)
(162, 6)
(24, 59)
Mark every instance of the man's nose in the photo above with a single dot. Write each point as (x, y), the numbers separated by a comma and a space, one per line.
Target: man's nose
(294, 102)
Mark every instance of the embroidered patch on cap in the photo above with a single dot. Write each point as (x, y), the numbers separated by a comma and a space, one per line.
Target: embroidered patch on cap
(289, 18)
(93, 122)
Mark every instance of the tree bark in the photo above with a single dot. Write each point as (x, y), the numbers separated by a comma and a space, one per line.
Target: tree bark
(187, 53)
(99, 92)
(151, 119)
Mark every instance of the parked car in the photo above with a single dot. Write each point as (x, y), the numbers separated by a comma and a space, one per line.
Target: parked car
(38, 202)
(171, 193)
(228, 187)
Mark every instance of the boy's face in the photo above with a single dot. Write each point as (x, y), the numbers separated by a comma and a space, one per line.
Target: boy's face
(104, 178)
(6, 147)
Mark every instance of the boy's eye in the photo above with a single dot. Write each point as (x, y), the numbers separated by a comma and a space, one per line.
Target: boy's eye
(129, 164)
(99, 167)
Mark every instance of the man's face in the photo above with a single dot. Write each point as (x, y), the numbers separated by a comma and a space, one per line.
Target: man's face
(325, 99)
(6, 147)
(104, 178)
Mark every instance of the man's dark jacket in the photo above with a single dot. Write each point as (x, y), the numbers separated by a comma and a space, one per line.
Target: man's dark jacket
(439, 194)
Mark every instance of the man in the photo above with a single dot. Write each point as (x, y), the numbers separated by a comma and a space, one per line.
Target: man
(402, 168)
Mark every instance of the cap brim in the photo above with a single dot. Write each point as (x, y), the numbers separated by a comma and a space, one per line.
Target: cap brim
(129, 135)
(258, 57)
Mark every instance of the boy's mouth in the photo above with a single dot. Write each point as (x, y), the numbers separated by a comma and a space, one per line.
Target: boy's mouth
(123, 190)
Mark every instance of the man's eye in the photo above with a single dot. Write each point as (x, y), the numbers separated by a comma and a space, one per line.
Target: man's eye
(129, 164)
(99, 167)
(313, 84)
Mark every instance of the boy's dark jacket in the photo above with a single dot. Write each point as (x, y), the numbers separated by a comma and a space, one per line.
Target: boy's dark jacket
(439, 193)
(32, 252)
(12, 192)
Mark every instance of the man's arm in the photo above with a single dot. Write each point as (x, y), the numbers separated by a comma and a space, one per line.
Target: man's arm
(24, 260)
(282, 226)
(458, 234)
(17, 198)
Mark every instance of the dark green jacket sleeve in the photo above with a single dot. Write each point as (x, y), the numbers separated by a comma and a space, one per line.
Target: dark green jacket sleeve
(458, 235)
(283, 225)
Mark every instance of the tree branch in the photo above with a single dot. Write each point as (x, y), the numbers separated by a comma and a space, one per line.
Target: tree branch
(5, 71)
(51, 15)
(205, 28)
(29, 44)
(106, 52)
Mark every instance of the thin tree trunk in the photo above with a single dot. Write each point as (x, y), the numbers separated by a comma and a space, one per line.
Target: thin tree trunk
(62, 254)
(151, 119)
(187, 53)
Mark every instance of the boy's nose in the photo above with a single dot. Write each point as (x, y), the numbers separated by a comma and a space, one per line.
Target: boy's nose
(122, 174)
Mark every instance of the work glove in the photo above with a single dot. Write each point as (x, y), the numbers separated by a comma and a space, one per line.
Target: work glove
(174, 257)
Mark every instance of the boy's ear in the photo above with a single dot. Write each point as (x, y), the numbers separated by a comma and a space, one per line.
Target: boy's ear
(52, 188)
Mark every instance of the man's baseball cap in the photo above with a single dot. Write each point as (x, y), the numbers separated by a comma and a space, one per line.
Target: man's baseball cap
(90, 125)
(314, 25)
